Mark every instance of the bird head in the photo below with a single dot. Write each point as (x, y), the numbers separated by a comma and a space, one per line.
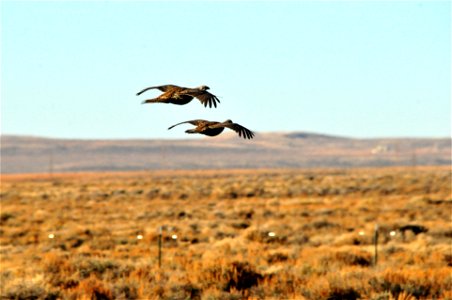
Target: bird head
(203, 88)
(228, 121)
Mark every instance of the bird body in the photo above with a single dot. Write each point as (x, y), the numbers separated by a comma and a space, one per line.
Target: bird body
(213, 128)
(181, 95)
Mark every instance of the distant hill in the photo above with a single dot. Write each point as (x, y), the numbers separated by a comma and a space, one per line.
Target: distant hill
(21, 154)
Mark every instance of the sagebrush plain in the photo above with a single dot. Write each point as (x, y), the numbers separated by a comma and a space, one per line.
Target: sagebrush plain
(228, 234)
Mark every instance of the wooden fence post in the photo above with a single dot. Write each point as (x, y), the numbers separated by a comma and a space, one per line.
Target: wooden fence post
(160, 246)
(376, 245)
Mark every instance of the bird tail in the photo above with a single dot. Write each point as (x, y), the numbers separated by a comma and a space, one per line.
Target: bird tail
(151, 101)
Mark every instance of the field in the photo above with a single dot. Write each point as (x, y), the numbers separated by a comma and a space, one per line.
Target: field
(228, 234)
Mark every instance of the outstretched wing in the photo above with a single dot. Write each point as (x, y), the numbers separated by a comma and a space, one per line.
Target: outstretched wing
(193, 122)
(242, 131)
(208, 98)
(162, 88)
(205, 97)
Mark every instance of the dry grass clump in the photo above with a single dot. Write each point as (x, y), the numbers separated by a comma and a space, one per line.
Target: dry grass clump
(240, 234)
(354, 258)
(421, 284)
(25, 290)
(229, 276)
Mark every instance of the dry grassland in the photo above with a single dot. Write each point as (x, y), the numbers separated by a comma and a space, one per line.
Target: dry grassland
(253, 234)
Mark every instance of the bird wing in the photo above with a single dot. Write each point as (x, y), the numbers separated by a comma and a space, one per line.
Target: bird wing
(162, 88)
(242, 131)
(193, 122)
(205, 97)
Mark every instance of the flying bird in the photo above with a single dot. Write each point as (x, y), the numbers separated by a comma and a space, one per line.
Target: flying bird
(181, 95)
(211, 128)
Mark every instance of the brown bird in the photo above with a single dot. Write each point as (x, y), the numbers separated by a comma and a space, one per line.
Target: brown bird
(212, 128)
(181, 95)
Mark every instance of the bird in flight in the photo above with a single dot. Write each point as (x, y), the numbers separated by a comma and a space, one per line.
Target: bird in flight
(211, 128)
(181, 95)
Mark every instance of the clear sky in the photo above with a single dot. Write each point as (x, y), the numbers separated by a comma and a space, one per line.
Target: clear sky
(358, 68)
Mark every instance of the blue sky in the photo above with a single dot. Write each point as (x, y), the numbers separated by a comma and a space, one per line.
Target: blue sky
(359, 69)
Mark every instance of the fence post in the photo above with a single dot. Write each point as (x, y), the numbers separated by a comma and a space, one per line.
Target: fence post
(160, 246)
(376, 245)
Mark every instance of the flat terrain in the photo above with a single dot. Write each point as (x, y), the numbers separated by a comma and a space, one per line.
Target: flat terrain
(267, 150)
(228, 234)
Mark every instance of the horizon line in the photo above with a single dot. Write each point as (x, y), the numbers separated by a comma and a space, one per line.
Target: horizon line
(283, 132)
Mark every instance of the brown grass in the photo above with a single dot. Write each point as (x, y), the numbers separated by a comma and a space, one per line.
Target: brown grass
(322, 247)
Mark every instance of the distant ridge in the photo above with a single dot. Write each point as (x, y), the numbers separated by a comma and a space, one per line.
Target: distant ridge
(28, 154)
(306, 135)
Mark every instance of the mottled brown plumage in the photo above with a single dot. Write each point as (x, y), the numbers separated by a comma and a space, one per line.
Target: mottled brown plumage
(181, 95)
(211, 128)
